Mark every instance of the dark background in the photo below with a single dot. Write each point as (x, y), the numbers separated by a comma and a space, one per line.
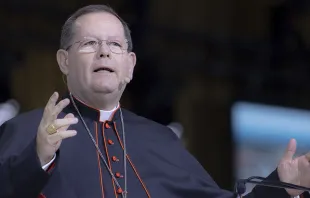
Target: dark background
(195, 59)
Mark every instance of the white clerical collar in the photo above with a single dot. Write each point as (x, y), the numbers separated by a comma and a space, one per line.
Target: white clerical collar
(106, 115)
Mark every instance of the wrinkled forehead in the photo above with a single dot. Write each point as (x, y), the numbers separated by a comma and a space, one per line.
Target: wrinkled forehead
(100, 25)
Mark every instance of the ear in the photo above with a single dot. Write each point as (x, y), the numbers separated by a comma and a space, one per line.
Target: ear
(131, 62)
(62, 59)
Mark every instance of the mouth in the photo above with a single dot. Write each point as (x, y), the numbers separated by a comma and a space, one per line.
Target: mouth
(103, 69)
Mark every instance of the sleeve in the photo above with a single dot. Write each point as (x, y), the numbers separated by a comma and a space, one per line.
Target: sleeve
(206, 187)
(21, 174)
(46, 166)
(201, 184)
(269, 192)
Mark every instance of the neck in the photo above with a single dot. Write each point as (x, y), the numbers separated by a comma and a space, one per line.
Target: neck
(105, 102)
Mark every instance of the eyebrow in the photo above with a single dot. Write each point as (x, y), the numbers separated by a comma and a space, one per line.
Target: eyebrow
(108, 38)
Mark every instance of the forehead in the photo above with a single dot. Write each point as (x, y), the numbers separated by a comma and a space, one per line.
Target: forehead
(100, 25)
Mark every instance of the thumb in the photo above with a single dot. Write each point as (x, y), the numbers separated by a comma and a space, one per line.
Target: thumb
(290, 150)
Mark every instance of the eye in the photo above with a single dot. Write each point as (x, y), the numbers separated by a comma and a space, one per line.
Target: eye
(90, 43)
(114, 43)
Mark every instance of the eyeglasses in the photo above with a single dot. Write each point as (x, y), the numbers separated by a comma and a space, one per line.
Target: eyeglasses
(91, 45)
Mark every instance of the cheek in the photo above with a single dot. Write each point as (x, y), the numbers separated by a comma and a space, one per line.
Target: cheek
(80, 65)
(121, 67)
(125, 70)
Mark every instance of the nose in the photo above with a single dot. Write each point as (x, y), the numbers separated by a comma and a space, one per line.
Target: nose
(104, 51)
(103, 55)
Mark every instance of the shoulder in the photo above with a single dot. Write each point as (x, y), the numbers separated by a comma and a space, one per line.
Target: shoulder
(159, 140)
(18, 132)
(25, 118)
(25, 121)
(148, 127)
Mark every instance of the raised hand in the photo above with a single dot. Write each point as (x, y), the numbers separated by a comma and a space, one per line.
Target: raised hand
(295, 171)
(53, 130)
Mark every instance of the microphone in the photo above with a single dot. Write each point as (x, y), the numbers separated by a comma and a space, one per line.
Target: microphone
(240, 186)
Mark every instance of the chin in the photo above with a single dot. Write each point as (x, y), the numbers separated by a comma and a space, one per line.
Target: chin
(105, 89)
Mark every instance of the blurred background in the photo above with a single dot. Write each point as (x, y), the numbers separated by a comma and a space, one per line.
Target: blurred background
(225, 75)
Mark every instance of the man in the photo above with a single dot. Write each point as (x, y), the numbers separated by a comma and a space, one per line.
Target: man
(85, 145)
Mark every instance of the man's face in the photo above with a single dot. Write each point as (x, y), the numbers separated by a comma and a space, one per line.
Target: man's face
(100, 71)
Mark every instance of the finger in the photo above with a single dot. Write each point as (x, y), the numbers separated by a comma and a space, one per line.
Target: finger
(290, 150)
(62, 135)
(59, 107)
(65, 122)
(69, 115)
(50, 104)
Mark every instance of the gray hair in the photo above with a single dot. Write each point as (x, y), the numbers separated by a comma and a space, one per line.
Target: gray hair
(67, 32)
